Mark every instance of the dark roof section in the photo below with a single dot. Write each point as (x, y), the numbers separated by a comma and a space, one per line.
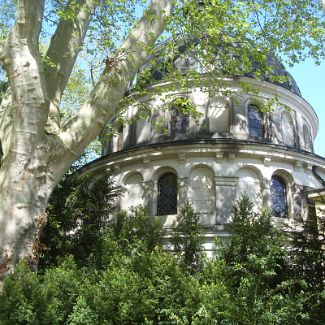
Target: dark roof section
(184, 60)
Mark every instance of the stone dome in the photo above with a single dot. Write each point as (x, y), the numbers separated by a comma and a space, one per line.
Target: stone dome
(165, 157)
(184, 60)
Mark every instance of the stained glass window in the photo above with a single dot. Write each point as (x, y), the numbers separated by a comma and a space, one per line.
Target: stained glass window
(167, 194)
(255, 122)
(279, 197)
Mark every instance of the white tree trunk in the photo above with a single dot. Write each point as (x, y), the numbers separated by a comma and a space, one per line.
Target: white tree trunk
(34, 160)
(20, 174)
(25, 188)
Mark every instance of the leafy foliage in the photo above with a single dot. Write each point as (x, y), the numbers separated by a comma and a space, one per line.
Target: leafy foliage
(187, 238)
(255, 248)
(78, 213)
(256, 270)
(133, 280)
(308, 264)
(136, 225)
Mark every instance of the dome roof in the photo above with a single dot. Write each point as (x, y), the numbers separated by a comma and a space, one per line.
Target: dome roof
(185, 60)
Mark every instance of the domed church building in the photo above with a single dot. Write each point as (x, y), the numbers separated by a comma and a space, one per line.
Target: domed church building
(169, 157)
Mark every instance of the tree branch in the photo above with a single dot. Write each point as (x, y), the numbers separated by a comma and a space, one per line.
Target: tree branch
(104, 98)
(25, 70)
(6, 122)
(29, 19)
(3, 51)
(64, 48)
(19, 54)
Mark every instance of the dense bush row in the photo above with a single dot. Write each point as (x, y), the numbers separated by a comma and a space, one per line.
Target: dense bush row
(94, 272)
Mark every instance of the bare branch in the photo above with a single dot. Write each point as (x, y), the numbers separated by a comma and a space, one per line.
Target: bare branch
(63, 50)
(104, 98)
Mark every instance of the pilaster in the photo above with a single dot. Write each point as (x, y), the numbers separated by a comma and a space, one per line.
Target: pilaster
(149, 196)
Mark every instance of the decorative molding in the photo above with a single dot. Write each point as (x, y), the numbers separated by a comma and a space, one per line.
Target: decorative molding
(181, 157)
(182, 190)
(219, 156)
(231, 157)
(225, 181)
(299, 165)
(148, 186)
(267, 161)
(182, 182)
(146, 162)
(266, 183)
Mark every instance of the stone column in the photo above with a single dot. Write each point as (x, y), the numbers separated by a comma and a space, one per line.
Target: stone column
(149, 197)
(266, 193)
(182, 196)
(225, 195)
(297, 200)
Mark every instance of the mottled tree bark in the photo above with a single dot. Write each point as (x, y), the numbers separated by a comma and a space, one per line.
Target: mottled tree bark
(36, 150)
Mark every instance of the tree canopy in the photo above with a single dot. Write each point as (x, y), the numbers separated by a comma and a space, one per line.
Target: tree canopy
(129, 278)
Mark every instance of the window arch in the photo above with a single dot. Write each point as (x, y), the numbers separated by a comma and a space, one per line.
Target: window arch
(179, 123)
(167, 194)
(279, 197)
(201, 190)
(133, 195)
(255, 121)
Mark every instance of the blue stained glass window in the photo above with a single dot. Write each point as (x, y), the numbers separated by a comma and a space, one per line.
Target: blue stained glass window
(279, 197)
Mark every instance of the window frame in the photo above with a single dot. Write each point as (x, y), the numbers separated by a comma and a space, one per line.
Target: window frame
(170, 194)
(179, 123)
(251, 129)
(274, 196)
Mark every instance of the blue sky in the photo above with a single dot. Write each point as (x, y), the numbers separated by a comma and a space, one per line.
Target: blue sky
(311, 81)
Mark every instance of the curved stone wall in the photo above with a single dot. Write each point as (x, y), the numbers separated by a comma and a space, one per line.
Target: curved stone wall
(230, 150)
(292, 123)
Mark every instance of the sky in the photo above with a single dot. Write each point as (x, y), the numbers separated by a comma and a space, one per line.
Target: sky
(311, 82)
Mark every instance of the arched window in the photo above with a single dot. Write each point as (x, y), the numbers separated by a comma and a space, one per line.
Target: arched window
(167, 194)
(179, 123)
(255, 122)
(279, 197)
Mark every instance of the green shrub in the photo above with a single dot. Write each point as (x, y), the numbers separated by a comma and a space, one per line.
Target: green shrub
(135, 281)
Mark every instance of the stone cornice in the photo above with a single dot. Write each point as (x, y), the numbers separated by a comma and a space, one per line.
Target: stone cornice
(207, 148)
